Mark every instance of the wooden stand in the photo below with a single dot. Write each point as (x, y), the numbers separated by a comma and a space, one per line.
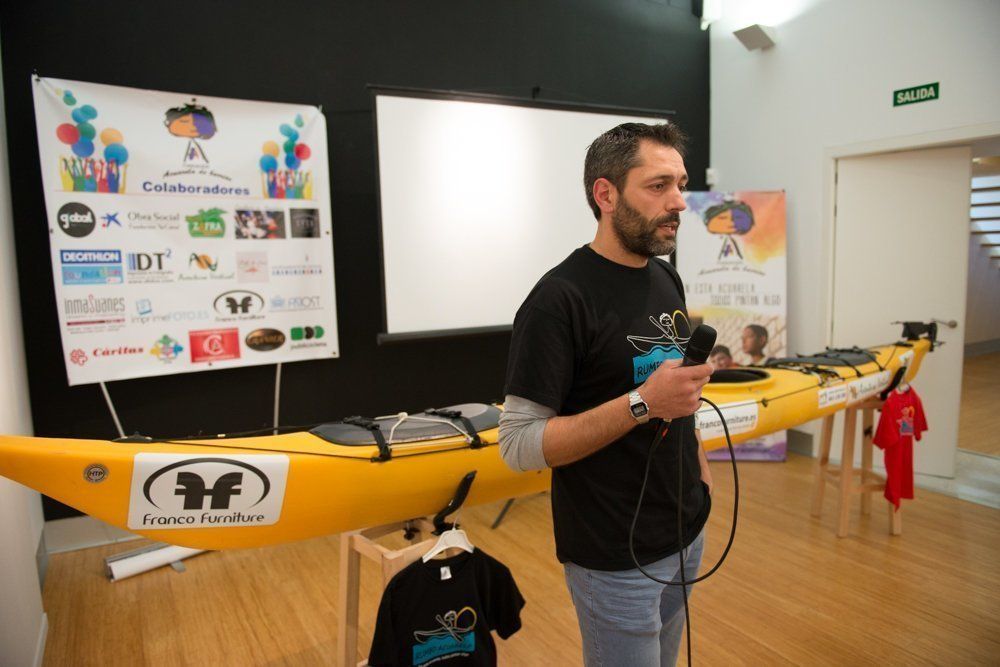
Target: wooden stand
(844, 478)
(359, 543)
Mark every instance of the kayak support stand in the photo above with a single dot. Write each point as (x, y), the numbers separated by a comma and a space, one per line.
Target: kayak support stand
(845, 478)
(358, 543)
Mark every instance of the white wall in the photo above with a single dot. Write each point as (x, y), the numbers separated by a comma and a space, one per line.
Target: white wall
(22, 622)
(982, 319)
(827, 83)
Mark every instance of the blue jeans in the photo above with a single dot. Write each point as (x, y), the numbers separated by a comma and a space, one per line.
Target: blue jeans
(627, 619)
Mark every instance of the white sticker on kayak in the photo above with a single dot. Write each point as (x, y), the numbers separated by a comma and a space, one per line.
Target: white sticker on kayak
(868, 386)
(217, 491)
(832, 396)
(740, 418)
(906, 358)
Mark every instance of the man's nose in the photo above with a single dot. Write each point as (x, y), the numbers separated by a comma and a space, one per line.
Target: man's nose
(676, 202)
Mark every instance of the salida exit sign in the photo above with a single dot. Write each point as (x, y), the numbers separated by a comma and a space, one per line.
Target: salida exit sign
(924, 93)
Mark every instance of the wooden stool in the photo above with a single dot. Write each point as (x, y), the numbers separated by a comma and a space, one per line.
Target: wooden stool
(843, 478)
(359, 543)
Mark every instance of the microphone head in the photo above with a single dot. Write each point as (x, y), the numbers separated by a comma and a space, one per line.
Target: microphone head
(700, 345)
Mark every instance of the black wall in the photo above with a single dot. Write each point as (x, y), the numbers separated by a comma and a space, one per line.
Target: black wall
(634, 53)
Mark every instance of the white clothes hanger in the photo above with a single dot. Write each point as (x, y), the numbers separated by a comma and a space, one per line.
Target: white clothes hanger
(454, 537)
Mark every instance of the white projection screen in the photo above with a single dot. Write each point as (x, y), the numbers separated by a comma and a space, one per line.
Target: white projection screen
(479, 198)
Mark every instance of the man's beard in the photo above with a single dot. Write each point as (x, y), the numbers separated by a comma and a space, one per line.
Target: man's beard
(638, 233)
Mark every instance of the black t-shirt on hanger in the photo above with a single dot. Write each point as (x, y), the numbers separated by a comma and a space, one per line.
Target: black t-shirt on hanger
(441, 612)
(592, 330)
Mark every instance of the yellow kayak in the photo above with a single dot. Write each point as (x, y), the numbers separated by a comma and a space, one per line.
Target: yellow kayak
(227, 493)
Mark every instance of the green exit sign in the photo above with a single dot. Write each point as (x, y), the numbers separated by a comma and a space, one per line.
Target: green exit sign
(924, 93)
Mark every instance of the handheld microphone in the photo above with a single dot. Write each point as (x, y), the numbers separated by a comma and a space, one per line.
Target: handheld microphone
(700, 345)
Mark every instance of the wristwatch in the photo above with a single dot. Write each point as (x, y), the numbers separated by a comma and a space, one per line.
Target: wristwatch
(638, 407)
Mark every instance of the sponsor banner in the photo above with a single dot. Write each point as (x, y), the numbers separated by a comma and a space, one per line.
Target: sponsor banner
(731, 254)
(187, 232)
(836, 395)
(866, 387)
(172, 491)
(740, 418)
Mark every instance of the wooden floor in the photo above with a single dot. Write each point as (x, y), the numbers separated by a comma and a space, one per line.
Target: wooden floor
(791, 593)
(979, 425)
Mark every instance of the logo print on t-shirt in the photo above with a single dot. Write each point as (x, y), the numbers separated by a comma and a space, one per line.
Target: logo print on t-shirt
(654, 350)
(452, 638)
(906, 421)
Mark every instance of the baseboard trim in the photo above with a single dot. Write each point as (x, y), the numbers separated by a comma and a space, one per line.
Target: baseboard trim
(982, 347)
(42, 560)
(43, 633)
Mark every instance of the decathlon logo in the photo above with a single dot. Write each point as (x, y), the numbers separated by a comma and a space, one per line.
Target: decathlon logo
(176, 491)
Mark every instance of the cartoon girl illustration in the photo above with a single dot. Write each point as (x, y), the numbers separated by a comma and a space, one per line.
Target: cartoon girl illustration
(191, 121)
(729, 218)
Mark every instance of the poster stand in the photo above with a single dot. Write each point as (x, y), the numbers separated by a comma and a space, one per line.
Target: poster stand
(277, 394)
(111, 408)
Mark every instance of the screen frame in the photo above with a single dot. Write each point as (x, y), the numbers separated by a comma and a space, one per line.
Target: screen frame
(375, 90)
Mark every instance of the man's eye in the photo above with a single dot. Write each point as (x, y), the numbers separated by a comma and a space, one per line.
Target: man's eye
(683, 188)
(658, 187)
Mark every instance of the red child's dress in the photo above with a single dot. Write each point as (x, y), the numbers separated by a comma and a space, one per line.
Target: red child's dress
(902, 420)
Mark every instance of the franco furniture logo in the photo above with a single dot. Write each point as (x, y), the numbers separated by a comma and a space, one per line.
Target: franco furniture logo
(183, 491)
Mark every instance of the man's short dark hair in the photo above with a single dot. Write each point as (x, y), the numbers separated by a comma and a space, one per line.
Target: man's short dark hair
(758, 331)
(612, 154)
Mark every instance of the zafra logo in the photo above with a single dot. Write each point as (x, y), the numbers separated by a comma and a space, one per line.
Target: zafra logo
(207, 224)
(178, 491)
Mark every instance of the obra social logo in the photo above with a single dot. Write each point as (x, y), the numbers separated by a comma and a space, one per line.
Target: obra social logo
(76, 219)
(174, 491)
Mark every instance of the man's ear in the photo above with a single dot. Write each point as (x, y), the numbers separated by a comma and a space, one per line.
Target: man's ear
(605, 195)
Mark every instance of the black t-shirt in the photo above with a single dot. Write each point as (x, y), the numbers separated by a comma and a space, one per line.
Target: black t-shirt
(592, 330)
(442, 611)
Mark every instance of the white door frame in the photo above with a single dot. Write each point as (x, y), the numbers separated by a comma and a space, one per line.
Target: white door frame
(938, 138)
(967, 134)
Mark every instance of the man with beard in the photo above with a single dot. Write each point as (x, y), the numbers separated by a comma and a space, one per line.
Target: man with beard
(594, 356)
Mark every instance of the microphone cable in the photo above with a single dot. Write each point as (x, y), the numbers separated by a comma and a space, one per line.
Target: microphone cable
(657, 439)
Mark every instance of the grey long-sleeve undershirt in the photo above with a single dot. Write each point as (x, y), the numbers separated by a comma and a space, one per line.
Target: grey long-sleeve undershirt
(522, 425)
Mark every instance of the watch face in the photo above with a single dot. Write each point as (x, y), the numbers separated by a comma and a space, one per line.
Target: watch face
(639, 410)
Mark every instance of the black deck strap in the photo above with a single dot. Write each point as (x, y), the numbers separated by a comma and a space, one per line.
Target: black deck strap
(841, 360)
(858, 350)
(440, 525)
(896, 379)
(384, 451)
(475, 442)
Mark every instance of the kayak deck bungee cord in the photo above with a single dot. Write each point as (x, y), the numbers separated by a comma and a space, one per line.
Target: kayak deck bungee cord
(235, 492)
